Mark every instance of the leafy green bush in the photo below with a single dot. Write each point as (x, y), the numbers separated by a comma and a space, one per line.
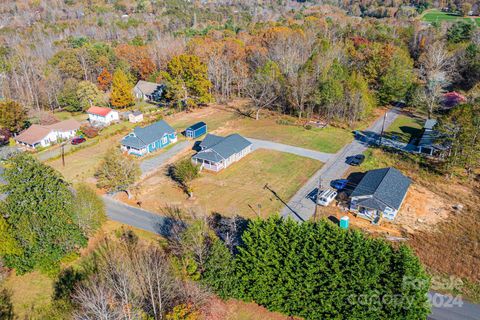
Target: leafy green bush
(117, 172)
(184, 172)
(318, 271)
(285, 122)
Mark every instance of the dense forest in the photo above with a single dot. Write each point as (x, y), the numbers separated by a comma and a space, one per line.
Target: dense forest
(299, 58)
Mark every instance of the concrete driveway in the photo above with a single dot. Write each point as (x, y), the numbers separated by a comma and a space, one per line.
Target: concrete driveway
(312, 154)
(301, 207)
(152, 164)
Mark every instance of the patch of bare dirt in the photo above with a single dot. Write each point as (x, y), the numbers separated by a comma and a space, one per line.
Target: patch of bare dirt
(422, 210)
(217, 309)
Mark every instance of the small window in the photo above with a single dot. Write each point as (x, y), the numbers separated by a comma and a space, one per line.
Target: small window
(164, 140)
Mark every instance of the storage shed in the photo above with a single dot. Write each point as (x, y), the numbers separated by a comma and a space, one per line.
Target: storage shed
(197, 130)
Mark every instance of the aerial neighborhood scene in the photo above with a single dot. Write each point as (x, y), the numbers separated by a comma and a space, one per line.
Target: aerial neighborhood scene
(239, 160)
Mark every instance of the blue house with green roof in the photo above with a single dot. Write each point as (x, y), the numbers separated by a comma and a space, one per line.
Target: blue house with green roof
(143, 140)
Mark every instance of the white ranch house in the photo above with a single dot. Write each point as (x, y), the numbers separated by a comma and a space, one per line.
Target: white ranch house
(101, 116)
(45, 135)
(218, 153)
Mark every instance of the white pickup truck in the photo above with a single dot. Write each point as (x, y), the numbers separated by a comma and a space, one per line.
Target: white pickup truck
(326, 197)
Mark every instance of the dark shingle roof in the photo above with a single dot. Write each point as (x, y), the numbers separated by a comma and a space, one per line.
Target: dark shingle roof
(210, 140)
(197, 125)
(219, 148)
(141, 137)
(382, 187)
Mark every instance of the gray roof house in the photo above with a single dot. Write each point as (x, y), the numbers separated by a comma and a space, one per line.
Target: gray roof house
(145, 90)
(379, 194)
(430, 142)
(143, 140)
(218, 152)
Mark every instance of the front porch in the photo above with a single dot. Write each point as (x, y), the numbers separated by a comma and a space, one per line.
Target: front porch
(208, 165)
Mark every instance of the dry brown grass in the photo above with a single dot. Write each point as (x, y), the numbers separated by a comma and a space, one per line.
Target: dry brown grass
(217, 309)
(237, 189)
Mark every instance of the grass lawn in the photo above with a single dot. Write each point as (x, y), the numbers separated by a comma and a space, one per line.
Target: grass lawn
(64, 115)
(30, 292)
(404, 128)
(237, 189)
(224, 121)
(82, 164)
(328, 140)
(213, 117)
(435, 15)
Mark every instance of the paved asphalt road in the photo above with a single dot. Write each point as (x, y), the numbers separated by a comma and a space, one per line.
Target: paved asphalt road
(316, 155)
(136, 217)
(301, 207)
(446, 309)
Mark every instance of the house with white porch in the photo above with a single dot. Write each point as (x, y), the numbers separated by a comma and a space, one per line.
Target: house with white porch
(380, 194)
(217, 153)
(45, 135)
(143, 140)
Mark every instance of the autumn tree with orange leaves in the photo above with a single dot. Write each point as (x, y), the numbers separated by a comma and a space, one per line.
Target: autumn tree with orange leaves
(138, 58)
(104, 80)
(226, 61)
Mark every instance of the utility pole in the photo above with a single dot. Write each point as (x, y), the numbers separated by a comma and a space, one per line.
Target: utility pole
(383, 127)
(63, 153)
(319, 188)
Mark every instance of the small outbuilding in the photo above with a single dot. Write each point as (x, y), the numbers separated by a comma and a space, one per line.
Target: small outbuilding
(135, 116)
(197, 130)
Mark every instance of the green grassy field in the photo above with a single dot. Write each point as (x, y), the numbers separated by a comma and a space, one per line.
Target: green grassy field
(404, 128)
(435, 15)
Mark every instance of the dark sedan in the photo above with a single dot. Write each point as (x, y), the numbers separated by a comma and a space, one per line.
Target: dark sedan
(356, 160)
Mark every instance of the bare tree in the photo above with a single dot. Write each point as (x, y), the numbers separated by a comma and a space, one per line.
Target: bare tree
(437, 68)
(96, 302)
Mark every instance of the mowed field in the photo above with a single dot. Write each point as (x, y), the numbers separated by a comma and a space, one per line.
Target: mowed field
(224, 120)
(435, 15)
(81, 164)
(404, 128)
(239, 189)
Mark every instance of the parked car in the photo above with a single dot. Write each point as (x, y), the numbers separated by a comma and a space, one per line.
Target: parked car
(339, 184)
(356, 160)
(78, 140)
(326, 197)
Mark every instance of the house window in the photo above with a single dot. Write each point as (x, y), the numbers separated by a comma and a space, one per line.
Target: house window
(164, 140)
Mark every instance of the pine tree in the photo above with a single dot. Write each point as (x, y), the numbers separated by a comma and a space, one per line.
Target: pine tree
(40, 215)
(12, 115)
(318, 271)
(122, 95)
